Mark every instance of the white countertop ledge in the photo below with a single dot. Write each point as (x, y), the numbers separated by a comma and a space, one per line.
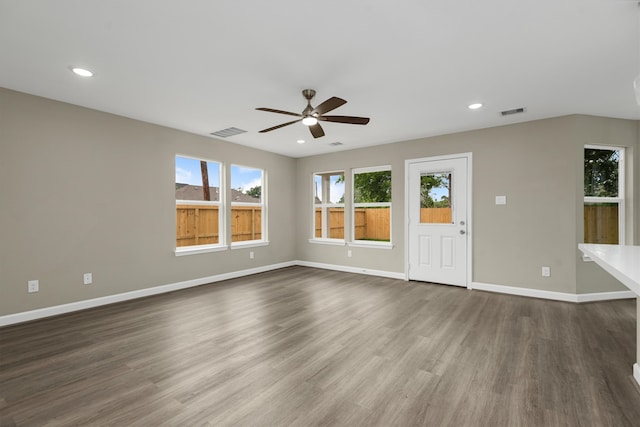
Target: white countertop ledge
(622, 262)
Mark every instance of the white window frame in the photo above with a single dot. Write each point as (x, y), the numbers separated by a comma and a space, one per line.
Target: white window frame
(354, 206)
(324, 209)
(620, 200)
(263, 241)
(221, 245)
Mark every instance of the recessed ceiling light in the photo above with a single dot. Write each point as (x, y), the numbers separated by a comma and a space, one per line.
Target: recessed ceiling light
(82, 72)
(300, 141)
(475, 106)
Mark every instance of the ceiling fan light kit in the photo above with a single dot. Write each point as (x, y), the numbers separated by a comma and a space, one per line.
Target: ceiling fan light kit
(311, 116)
(309, 121)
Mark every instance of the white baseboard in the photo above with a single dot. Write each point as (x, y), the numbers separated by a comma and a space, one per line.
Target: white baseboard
(27, 316)
(358, 270)
(605, 296)
(551, 295)
(636, 372)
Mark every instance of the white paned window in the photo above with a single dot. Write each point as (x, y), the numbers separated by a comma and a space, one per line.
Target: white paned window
(199, 212)
(371, 207)
(328, 206)
(604, 202)
(248, 195)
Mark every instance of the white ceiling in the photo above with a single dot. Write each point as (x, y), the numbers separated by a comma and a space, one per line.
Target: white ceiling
(411, 66)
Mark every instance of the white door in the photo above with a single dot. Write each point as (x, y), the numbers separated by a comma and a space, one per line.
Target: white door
(437, 215)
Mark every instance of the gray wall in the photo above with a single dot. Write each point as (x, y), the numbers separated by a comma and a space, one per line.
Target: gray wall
(85, 191)
(537, 165)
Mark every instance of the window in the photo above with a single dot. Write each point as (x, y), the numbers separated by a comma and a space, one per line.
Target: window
(371, 217)
(603, 194)
(435, 198)
(198, 203)
(328, 203)
(247, 204)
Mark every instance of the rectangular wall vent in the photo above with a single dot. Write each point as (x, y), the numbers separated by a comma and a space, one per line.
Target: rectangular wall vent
(225, 133)
(514, 111)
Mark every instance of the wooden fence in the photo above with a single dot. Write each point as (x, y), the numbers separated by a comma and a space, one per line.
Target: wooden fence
(435, 215)
(198, 224)
(601, 223)
(374, 223)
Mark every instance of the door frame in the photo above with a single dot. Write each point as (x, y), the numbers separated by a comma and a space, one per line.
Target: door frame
(469, 157)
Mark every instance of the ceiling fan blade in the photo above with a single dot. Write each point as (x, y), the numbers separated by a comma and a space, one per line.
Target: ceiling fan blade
(271, 110)
(345, 119)
(316, 130)
(279, 126)
(328, 105)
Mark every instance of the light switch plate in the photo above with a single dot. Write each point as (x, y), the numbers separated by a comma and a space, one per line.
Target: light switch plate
(33, 286)
(501, 200)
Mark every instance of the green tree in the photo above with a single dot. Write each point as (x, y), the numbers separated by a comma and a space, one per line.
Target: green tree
(429, 182)
(601, 172)
(372, 187)
(255, 192)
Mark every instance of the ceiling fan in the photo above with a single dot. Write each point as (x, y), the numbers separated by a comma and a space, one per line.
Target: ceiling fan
(312, 116)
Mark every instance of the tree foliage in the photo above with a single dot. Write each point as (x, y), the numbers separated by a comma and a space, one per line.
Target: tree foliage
(255, 192)
(429, 182)
(601, 172)
(372, 187)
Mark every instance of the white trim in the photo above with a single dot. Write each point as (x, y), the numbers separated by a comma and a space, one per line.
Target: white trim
(370, 169)
(199, 202)
(552, 295)
(469, 157)
(202, 249)
(636, 372)
(604, 296)
(40, 313)
(347, 269)
(248, 244)
(335, 242)
(370, 244)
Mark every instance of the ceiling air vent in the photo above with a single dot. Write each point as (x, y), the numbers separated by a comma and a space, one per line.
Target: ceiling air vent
(225, 133)
(514, 111)
(335, 144)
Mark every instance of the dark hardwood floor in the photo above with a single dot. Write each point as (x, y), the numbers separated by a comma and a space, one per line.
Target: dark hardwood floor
(302, 346)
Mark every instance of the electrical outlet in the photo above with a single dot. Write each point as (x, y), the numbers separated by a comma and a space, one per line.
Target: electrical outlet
(349, 253)
(251, 255)
(546, 271)
(87, 278)
(33, 286)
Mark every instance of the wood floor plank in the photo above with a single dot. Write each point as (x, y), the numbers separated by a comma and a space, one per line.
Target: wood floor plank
(305, 347)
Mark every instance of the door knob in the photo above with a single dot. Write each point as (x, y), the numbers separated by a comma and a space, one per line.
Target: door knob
(463, 232)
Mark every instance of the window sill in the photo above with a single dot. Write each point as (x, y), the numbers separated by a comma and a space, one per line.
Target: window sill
(334, 242)
(193, 250)
(367, 244)
(249, 244)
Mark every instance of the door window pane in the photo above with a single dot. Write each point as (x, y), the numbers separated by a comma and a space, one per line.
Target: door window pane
(435, 198)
